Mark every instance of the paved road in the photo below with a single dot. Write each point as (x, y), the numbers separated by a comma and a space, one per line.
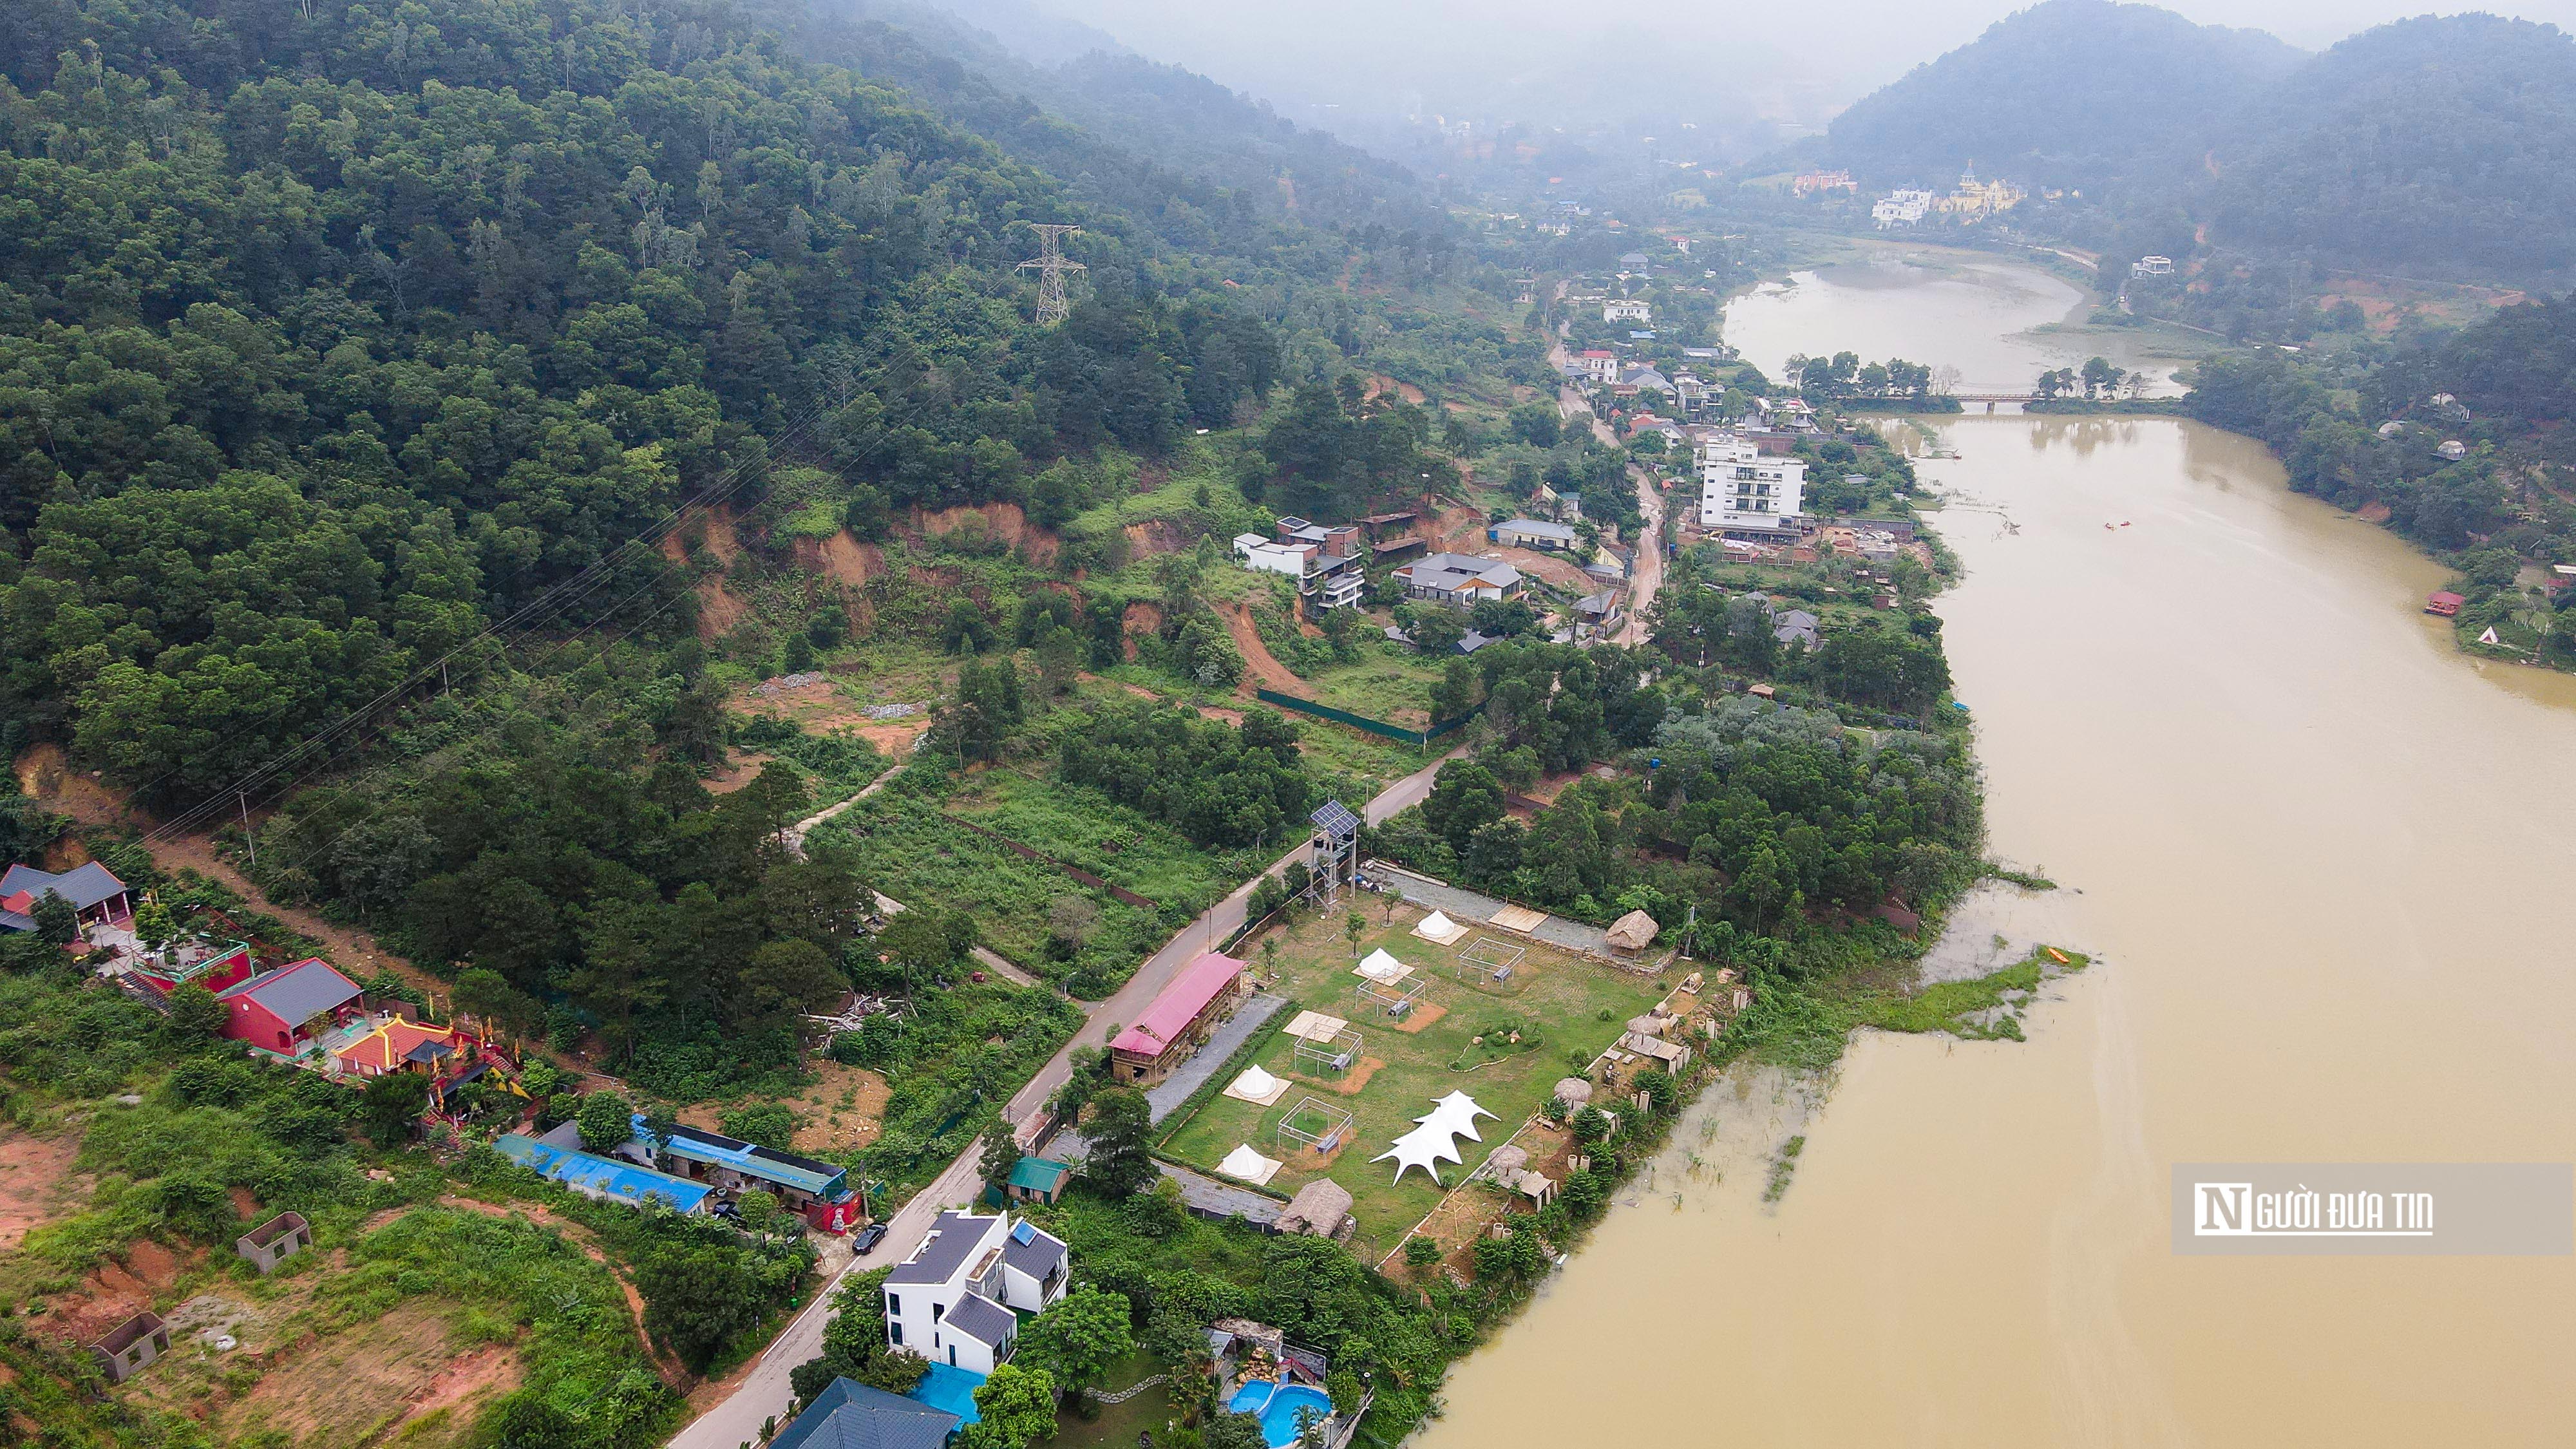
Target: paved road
(764, 1392)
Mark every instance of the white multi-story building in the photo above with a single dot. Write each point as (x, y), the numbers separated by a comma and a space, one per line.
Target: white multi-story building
(1905, 206)
(1626, 309)
(951, 1301)
(1746, 494)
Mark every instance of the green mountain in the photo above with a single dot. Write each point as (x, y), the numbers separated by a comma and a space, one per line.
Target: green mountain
(2439, 144)
(2071, 93)
(332, 336)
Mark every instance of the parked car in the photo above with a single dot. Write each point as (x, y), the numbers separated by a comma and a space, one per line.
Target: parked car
(866, 1239)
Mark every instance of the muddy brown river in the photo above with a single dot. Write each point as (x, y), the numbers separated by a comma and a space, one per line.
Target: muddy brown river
(2329, 867)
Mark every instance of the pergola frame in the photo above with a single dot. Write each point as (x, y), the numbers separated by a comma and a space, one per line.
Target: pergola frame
(1397, 997)
(1336, 1052)
(1492, 958)
(1337, 1125)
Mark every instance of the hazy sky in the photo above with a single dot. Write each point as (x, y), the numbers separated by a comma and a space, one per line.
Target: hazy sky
(1364, 50)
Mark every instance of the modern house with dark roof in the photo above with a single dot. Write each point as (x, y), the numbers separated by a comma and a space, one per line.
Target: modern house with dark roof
(97, 897)
(952, 1301)
(276, 1012)
(850, 1415)
(1176, 1021)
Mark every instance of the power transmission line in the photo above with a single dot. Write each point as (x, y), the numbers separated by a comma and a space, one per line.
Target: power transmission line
(1051, 264)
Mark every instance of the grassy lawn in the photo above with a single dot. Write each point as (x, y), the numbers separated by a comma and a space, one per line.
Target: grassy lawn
(1118, 1425)
(1557, 1002)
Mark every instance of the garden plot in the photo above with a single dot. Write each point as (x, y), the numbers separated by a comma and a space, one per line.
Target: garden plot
(1457, 1039)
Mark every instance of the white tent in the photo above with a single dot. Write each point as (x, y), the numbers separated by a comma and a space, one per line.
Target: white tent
(1436, 1140)
(1457, 1114)
(1246, 1165)
(1257, 1087)
(1438, 927)
(1382, 967)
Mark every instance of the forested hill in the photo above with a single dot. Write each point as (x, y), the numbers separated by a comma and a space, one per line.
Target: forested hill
(2439, 144)
(1119, 128)
(331, 334)
(2435, 146)
(2460, 441)
(2071, 93)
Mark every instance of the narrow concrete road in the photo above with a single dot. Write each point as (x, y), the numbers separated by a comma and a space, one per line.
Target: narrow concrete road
(764, 1392)
(796, 832)
(1648, 579)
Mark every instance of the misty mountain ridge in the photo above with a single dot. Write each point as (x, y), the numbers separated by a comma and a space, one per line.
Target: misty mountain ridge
(2437, 143)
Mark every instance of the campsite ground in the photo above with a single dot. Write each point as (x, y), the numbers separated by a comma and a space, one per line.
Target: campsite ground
(1557, 1002)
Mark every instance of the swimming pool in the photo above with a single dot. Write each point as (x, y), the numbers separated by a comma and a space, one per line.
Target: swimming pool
(1279, 1405)
(952, 1389)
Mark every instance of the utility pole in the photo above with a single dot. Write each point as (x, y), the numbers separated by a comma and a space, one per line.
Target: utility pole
(242, 797)
(1051, 264)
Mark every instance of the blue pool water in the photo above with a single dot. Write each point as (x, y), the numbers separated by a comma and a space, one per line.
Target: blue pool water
(950, 1390)
(1278, 1405)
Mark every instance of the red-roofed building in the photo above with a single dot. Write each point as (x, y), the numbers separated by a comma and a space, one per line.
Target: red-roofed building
(404, 1046)
(277, 1012)
(1177, 1020)
(2444, 603)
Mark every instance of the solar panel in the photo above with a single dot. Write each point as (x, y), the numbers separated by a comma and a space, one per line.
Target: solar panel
(1336, 820)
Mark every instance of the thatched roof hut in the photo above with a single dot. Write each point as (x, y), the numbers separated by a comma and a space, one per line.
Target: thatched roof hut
(1573, 1091)
(1632, 933)
(1649, 1024)
(1318, 1210)
(1507, 1160)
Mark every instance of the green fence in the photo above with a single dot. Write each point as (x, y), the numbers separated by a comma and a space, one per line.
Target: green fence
(1418, 738)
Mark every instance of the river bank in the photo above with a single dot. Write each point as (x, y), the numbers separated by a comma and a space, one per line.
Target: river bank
(2316, 847)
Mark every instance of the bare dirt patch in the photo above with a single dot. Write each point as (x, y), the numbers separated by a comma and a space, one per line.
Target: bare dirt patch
(1261, 667)
(115, 1292)
(1142, 618)
(46, 776)
(841, 558)
(1005, 521)
(36, 1183)
(1459, 528)
(1379, 384)
(842, 1110)
(357, 1384)
(1421, 1016)
(740, 772)
(1349, 1083)
(1155, 536)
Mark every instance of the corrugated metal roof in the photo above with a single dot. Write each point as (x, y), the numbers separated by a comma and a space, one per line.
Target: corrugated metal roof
(1171, 1012)
(603, 1176)
(752, 1160)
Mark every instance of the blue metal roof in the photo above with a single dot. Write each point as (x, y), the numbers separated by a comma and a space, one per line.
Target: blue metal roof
(692, 1144)
(606, 1177)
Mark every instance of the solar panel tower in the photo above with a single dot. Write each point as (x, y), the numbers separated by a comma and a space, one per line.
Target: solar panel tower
(1336, 849)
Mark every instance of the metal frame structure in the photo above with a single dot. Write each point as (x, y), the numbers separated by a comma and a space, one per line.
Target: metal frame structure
(1493, 959)
(1397, 997)
(1336, 848)
(1339, 1125)
(1337, 1052)
(1051, 264)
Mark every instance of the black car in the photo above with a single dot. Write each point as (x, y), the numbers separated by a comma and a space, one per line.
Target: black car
(867, 1238)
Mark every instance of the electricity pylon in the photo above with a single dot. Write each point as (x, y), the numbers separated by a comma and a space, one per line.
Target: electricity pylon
(1051, 264)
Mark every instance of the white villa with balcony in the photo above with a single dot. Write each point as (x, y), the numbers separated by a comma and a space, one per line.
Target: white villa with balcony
(952, 1301)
